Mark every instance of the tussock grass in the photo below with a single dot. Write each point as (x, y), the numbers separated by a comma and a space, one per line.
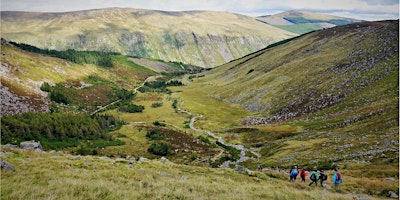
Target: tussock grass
(61, 176)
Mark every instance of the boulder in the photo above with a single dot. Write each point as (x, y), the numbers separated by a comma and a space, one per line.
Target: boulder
(242, 169)
(31, 145)
(390, 179)
(6, 166)
(393, 195)
(163, 160)
(141, 159)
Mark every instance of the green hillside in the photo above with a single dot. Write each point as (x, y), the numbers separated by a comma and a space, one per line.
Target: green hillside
(331, 95)
(201, 38)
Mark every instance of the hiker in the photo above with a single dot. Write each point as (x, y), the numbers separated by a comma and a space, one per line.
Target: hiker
(323, 177)
(337, 179)
(293, 174)
(314, 177)
(303, 175)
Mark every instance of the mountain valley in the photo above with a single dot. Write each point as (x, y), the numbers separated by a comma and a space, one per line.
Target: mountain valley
(188, 105)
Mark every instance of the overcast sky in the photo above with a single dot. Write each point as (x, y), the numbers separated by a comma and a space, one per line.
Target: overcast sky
(359, 9)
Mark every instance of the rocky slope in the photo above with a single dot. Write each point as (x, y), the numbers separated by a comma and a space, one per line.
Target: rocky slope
(202, 38)
(336, 90)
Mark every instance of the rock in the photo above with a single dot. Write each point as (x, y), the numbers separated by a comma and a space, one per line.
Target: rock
(6, 166)
(242, 169)
(163, 160)
(6, 153)
(362, 197)
(104, 158)
(31, 145)
(327, 186)
(121, 160)
(130, 166)
(183, 178)
(164, 174)
(11, 146)
(393, 195)
(141, 159)
(390, 179)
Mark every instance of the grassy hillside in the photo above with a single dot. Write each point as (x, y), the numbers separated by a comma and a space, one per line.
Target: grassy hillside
(331, 95)
(86, 79)
(200, 38)
(61, 176)
(300, 22)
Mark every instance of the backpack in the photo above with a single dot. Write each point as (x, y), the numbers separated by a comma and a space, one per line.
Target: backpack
(338, 176)
(312, 177)
(303, 173)
(294, 173)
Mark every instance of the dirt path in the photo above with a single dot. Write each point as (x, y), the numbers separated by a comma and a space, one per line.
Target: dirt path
(150, 78)
(239, 147)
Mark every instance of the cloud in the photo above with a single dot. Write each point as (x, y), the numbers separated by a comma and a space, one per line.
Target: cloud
(373, 9)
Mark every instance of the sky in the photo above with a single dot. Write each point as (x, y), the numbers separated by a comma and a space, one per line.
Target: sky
(370, 10)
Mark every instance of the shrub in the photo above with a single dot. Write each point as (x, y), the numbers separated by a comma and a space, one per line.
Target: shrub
(156, 105)
(157, 123)
(160, 149)
(155, 134)
(45, 87)
(204, 139)
(131, 108)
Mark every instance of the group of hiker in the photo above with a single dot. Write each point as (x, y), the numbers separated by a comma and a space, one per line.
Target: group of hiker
(315, 177)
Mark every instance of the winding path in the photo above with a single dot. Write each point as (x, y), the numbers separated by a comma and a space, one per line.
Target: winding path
(239, 147)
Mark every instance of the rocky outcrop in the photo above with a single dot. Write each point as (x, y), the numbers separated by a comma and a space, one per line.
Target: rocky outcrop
(31, 145)
(6, 166)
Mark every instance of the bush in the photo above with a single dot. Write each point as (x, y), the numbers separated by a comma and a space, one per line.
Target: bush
(156, 105)
(326, 165)
(131, 108)
(45, 87)
(161, 149)
(155, 134)
(204, 139)
(157, 123)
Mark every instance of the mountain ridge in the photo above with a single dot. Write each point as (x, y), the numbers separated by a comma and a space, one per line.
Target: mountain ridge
(203, 38)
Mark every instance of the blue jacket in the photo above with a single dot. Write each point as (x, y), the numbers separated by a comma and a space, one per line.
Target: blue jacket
(337, 181)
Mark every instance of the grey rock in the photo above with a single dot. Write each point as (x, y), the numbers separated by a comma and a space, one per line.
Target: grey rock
(11, 146)
(6, 166)
(164, 174)
(163, 160)
(31, 145)
(141, 159)
(362, 197)
(327, 186)
(183, 178)
(104, 158)
(393, 195)
(6, 153)
(390, 179)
